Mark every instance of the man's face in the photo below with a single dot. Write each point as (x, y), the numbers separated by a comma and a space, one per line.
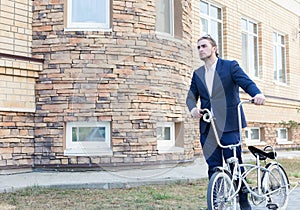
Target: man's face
(206, 50)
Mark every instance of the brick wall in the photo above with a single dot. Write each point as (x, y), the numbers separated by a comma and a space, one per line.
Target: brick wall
(17, 140)
(17, 86)
(268, 135)
(128, 76)
(15, 24)
(134, 78)
(18, 73)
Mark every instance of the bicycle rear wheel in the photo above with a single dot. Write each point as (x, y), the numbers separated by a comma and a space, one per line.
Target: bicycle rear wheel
(220, 187)
(275, 182)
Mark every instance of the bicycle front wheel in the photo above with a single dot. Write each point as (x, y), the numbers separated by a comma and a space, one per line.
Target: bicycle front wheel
(220, 188)
(275, 182)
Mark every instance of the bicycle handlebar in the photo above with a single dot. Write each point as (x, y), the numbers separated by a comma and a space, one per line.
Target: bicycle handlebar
(208, 117)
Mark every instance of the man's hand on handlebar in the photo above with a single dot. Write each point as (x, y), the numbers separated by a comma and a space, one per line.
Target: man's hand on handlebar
(196, 113)
(259, 99)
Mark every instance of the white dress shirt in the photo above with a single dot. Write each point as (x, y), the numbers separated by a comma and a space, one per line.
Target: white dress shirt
(209, 76)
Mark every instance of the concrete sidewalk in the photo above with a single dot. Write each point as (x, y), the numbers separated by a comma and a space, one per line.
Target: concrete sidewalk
(112, 178)
(106, 178)
(124, 178)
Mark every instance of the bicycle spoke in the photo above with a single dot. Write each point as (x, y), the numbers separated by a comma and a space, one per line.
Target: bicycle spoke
(276, 184)
(219, 192)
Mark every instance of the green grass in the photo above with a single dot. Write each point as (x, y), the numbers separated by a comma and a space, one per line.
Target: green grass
(181, 195)
(172, 196)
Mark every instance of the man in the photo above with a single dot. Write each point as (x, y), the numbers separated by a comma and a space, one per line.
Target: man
(217, 85)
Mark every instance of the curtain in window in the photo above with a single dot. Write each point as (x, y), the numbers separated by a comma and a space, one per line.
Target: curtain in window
(163, 16)
(90, 11)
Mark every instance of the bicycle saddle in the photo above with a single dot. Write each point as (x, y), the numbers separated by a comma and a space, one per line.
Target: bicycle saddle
(262, 154)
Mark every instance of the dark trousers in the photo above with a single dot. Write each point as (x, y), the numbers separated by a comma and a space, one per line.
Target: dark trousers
(214, 155)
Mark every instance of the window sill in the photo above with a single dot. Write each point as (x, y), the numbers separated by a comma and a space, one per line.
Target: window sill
(255, 143)
(256, 78)
(285, 84)
(163, 150)
(17, 109)
(88, 152)
(284, 142)
(88, 29)
(168, 36)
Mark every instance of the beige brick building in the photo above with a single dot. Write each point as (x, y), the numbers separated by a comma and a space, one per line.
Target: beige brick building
(104, 83)
(265, 41)
(18, 73)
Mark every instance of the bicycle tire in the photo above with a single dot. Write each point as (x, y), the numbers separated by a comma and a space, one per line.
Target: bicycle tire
(278, 180)
(220, 187)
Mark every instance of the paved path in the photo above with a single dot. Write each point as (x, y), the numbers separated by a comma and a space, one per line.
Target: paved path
(293, 204)
(107, 178)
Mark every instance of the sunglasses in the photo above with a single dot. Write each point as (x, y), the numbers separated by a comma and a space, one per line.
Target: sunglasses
(207, 36)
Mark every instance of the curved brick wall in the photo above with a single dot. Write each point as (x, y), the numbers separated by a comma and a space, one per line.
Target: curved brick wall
(129, 76)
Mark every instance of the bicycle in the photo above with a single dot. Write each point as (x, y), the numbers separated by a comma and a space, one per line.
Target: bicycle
(271, 183)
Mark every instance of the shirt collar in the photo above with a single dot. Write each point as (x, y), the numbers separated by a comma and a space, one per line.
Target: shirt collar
(213, 66)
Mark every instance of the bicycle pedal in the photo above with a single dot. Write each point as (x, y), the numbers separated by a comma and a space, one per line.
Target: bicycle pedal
(245, 190)
(272, 206)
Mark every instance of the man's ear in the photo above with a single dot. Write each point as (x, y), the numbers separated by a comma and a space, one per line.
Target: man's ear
(215, 48)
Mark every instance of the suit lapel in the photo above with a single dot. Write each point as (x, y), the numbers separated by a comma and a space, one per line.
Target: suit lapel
(202, 74)
(217, 82)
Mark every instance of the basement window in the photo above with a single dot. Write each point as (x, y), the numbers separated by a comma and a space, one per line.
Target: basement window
(170, 137)
(282, 135)
(88, 139)
(252, 135)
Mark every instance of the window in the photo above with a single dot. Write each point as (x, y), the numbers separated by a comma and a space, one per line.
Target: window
(252, 135)
(250, 47)
(279, 60)
(88, 15)
(165, 134)
(281, 135)
(170, 137)
(168, 22)
(165, 16)
(211, 23)
(88, 138)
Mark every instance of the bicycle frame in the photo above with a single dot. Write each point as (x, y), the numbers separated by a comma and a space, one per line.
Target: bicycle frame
(238, 176)
(236, 173)
(207, 117)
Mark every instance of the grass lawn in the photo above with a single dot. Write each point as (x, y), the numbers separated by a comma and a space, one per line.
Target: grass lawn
(174, 196)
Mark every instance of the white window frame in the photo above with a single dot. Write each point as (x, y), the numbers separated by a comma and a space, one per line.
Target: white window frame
(161, 144)
(210, 19)
(249, 130)
(277, 59)
(87, 26)
(89, 148)
(171, 19)
(280, 140)
(248, 61)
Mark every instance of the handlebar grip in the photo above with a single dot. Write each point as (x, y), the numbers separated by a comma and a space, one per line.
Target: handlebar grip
(203, 112)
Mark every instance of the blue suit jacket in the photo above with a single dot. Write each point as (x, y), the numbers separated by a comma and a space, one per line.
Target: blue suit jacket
(225, 94)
